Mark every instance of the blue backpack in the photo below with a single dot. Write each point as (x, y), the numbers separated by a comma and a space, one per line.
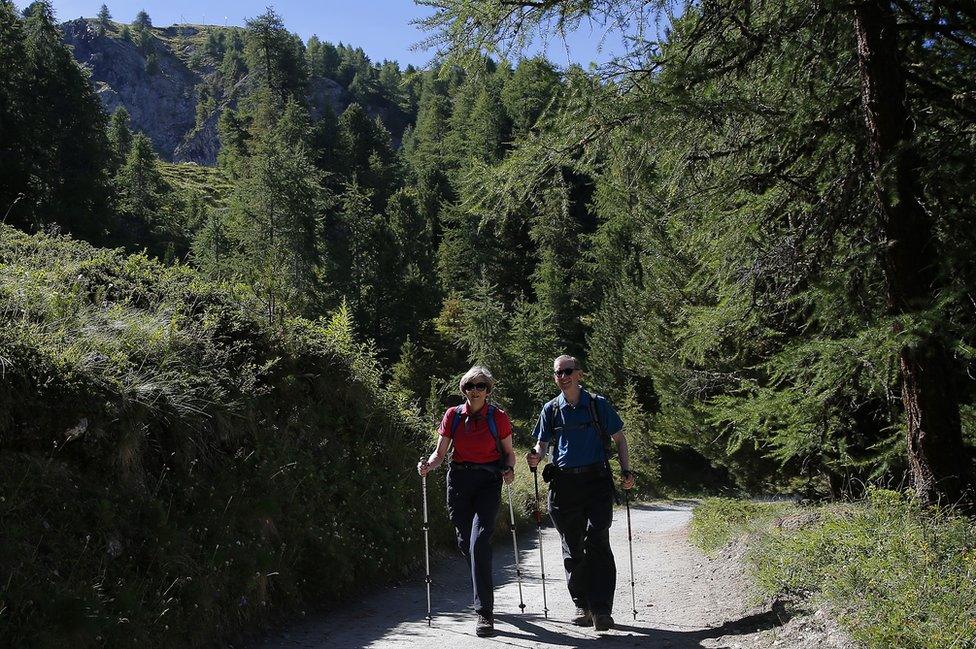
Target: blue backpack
(492, 427)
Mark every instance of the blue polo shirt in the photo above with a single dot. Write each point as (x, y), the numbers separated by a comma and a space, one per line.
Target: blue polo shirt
(570, 432)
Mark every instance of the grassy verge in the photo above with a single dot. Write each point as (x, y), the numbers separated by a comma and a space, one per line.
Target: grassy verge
(896, 574)
(209, 183)
(718, 521)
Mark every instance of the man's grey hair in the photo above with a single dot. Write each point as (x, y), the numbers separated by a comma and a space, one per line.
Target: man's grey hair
(566, 357)
(477, 372)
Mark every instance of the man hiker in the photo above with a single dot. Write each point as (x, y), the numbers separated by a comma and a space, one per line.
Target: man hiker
(579, 426)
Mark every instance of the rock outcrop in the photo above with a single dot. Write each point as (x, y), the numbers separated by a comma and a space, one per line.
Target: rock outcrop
(160, 91)
(161, 100)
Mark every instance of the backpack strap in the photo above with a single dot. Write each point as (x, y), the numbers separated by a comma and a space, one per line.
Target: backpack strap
(607, 445)
(601, 431)
(552, 407)
(456, 421)
(492, 428)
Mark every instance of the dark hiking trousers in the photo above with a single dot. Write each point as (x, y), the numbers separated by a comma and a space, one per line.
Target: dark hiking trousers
(581, 507)
(473, 497)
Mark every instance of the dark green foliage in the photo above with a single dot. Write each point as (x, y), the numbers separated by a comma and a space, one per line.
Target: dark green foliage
(139, 181)
(232, 65)
(713, 217)
(104, 20)
(52, 130)
(234, 138)
(276, 57)
(323, 58)
(194, 479)
(119, 138)
(365, 154)
(152, 64)
(275, 214)
(530, 91)
(142, 21)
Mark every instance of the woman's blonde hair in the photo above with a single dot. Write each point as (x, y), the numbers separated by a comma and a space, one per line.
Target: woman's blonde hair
(477, 371)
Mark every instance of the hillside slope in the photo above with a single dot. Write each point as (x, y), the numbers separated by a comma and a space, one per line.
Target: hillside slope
(175, 470)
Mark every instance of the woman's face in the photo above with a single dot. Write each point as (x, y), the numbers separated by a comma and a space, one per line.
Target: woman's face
(476, 391)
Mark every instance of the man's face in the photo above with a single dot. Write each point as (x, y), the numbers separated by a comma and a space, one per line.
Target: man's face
(566, 375)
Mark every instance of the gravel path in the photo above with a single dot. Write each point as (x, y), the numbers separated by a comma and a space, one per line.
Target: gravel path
(683, 599)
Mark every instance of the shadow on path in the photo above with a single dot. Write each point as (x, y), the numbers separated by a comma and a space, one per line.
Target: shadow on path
(394, 617)
(648, 637)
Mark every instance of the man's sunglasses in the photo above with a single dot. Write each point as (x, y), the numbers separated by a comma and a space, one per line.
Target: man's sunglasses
(475, 386)
(565, 372)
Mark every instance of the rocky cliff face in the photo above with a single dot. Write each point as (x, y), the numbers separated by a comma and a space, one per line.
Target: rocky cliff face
(162, 99)
(161, 103)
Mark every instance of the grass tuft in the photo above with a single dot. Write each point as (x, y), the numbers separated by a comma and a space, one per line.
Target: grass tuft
(896, 574)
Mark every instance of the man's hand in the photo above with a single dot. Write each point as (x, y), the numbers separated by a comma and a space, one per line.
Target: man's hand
(508, 475)
(627, 480)
(423, 468)
(532, 459)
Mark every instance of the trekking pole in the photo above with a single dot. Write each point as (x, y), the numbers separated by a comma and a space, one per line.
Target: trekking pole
(630, 545)
(518, 569)
(423, 483)
(538, 523)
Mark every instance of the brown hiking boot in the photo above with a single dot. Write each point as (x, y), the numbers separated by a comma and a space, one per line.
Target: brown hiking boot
(485, 626)
(602, 622)
(582, 617)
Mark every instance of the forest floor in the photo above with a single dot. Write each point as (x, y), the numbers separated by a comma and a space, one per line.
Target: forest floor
(684, 599)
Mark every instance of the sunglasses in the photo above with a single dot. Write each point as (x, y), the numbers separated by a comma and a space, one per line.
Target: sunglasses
(565, 372)
(475, 386)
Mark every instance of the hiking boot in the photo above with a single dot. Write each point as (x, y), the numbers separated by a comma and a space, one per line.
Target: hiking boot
(485, 626)
(602, 622)
(582, 617)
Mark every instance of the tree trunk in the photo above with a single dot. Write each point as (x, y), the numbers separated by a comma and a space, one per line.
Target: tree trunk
(936, 454)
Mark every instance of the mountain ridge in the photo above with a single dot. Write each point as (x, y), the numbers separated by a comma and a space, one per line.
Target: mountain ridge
(160, 85)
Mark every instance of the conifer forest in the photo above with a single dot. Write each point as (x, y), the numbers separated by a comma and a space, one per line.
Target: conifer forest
(756, 229)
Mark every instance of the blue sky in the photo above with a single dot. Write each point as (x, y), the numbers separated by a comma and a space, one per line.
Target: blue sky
(381, 27)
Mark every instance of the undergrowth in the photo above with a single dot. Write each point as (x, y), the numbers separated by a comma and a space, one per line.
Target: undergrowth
(173, 469)
(717, 521)
(895, 573)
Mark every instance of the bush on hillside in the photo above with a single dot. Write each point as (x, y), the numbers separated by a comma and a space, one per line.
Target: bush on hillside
(174, 470)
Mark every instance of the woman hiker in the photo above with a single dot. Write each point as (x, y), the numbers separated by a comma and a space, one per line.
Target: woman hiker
(481, 434)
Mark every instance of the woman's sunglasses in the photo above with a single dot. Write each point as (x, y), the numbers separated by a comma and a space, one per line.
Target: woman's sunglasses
(475, 386)
(565, 372)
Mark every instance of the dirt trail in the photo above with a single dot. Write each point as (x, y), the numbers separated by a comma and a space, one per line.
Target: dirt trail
(684, 599)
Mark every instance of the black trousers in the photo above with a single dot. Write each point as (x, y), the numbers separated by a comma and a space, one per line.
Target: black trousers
(581, 507)
(473, 498)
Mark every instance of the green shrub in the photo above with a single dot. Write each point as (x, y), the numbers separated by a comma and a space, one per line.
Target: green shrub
(174, 471)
